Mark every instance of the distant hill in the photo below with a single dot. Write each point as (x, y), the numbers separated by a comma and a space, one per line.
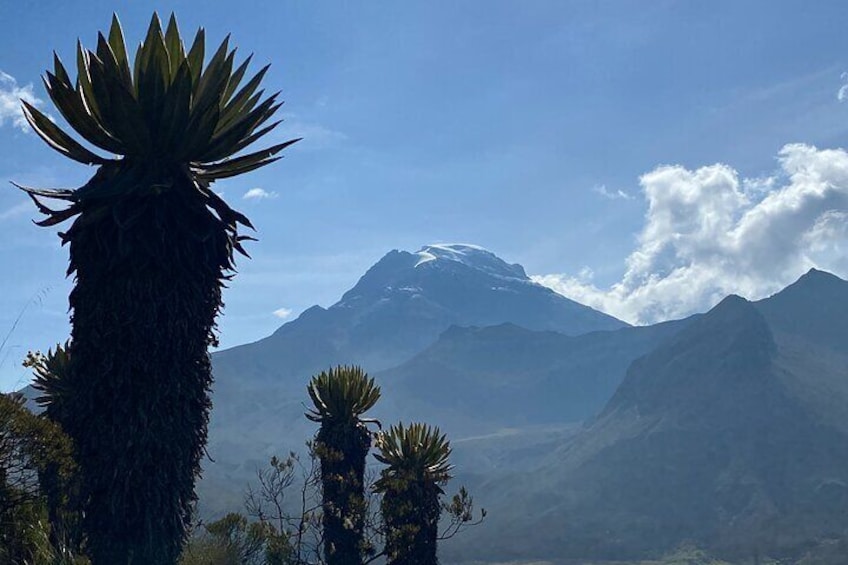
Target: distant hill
(507, 376)
(732, 433)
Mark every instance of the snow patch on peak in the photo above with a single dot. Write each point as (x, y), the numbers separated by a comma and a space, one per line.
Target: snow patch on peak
(470, 255)
(449, 251)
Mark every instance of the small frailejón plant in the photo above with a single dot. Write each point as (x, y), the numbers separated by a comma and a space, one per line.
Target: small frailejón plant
(416, 457)
(60, 487)
(340, 397)
(151, 246)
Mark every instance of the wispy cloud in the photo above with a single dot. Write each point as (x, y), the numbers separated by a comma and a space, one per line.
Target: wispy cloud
(709, 233)
(611, 194)
(10, 101)
(842, 93)
(283, 313)
(259, 194)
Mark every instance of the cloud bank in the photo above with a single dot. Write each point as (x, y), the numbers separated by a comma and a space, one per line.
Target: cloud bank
(709, 233)
(10, 101)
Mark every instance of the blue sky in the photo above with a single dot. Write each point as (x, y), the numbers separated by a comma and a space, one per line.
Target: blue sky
(645, 158)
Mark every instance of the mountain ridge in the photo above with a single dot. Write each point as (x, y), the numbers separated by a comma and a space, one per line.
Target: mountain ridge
(722, 436)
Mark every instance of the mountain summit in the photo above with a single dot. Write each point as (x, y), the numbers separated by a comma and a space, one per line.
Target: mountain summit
(472, 256)
(401, 305)
(401, 272)
(460, 284)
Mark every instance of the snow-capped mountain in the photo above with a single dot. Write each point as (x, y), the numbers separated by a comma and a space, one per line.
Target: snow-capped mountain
(401, 305)
(460, 284)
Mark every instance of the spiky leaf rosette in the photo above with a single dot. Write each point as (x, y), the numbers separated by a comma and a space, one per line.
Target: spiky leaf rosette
(151, 246)
(417, 466)
(172, 123)
(416, 452)
(341, 396)
(51, 374)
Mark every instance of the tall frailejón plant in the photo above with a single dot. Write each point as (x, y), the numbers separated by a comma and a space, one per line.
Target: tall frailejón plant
(151, 246)
(341, 396)
(417, 467)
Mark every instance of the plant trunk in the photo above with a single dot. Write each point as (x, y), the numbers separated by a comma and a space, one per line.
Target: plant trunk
(342, 450)
(411, 513)
(148, 288)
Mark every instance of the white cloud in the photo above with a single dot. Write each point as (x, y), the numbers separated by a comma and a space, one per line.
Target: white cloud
(283, 313)
(708, 233)
(842, 93)
(756, 187)
(611, 194)
(258, 194)
(10, 101)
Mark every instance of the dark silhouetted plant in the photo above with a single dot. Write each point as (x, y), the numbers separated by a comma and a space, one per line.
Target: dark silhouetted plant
(417, 467)
(151, 246)
(340, 397)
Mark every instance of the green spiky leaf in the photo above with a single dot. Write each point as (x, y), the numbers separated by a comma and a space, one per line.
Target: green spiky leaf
(116, 42)
(58, 139)
(174, 44)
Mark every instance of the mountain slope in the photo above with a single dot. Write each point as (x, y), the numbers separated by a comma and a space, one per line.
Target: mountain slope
(729, 433)
(507, 376)
(495, 390)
